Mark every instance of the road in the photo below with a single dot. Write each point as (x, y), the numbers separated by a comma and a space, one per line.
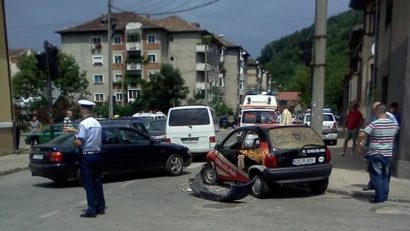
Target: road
(156, 202)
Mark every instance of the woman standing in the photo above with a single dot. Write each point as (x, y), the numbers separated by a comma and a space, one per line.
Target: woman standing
(35, 128)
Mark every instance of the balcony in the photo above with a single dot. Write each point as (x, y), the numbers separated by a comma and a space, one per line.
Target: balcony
(134, 67)
(200, 48)
(202, 67)
(200, 85)
(96, 46)
(133, 46)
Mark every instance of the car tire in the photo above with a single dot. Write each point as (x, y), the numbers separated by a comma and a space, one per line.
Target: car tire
(260, 189)
(319, 187)
(209, 175)
(174, 165)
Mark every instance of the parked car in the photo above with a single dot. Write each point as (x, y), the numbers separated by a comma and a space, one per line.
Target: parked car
(226, 121)
(45, 134)
(130, 122)
(156, 129)
(329, 127)
(123, 149)
(271, 155)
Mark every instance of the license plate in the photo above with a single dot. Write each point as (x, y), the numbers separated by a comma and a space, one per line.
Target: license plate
(189, 140)
(38, 156)
(304, 161)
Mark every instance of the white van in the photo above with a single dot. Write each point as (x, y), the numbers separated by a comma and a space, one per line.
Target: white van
(194, 127)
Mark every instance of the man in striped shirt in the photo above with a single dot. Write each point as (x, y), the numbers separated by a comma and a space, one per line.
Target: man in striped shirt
(381, 134)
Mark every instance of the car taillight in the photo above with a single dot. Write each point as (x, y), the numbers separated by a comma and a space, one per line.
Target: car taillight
(212, 139)
(271, 161)
(55, 157)
(328, 156)
(167, 140)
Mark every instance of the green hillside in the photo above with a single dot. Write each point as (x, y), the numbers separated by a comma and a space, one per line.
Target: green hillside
(281, 59)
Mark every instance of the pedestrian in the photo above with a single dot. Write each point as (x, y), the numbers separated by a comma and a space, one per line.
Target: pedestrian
(88, 139)
(67, 119)
(381, 134)
(17, 135)
(286, 116)
(353, 123)
(394, 110)
(35, 128)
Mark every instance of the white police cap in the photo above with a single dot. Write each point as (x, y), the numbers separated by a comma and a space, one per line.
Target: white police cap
(86, 103)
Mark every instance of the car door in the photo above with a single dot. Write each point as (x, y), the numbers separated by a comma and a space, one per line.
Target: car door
(113, 151)
(226, 162)
(139, 150)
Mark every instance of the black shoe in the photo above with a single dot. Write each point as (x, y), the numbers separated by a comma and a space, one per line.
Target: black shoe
(101, 212)
(373, 201)
(367, 188)
(88, 215)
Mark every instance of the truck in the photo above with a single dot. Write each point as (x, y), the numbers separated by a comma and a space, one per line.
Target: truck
(258, 109)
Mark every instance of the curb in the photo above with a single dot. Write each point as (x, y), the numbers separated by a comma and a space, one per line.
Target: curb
(14, 170)
(364, 195)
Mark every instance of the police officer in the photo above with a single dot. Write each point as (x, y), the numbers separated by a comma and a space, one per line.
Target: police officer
(88, 139)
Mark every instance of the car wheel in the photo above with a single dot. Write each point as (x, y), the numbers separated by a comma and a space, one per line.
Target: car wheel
(319, 187)
(260, 189)
(209, 175)
(174, 165)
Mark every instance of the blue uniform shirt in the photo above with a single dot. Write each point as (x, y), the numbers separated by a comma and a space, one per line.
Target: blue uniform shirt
(90, 133)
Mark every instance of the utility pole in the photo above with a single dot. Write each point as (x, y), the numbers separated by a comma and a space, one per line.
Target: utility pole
(206, 75)
(49, 88)
(109, 36)
(319, 65)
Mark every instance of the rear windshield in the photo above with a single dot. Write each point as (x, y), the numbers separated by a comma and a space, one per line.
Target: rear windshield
(189, 116)
(293, 137)
(63, 139)
(326, 117)
(258, 117)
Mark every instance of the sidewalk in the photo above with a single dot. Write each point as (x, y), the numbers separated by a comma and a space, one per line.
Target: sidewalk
(348, 175)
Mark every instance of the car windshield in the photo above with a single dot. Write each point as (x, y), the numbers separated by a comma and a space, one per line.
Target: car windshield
(191, 116)
(63, 139)
(156, 125)
(293, 137)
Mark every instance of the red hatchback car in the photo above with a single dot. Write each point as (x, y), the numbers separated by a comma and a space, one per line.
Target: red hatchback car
(272, 155)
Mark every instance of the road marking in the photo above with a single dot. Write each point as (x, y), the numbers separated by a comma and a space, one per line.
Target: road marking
(50, 214)
(125, 184)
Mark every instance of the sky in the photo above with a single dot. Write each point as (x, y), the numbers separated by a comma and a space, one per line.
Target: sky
(249, 23)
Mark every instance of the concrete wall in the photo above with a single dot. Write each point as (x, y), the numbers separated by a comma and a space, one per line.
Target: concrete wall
(231, 66)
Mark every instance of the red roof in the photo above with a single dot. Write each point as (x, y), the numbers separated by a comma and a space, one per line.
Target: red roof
(288, 95)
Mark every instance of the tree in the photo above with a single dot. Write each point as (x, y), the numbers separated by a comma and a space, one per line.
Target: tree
(30, 82)
(164, 90)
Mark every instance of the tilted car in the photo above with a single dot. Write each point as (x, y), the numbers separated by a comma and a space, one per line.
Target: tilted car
(123, 149)
(273, 155)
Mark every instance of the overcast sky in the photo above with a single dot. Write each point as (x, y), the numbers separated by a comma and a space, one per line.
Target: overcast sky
(250, 23)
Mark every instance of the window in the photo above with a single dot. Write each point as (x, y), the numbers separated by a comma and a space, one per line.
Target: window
(97, 59)
(172, 58)
(117, 40)
(98, 79)
(118, 96)
(152, 58)
(133, 37)
(151, 38)
(117, 58)
(130, 136)
(133, 94)
(117, 78)
(95, 40)
(99, 97)
(241, 83)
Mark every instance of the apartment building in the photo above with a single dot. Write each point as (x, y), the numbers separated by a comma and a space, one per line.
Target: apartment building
(382, 62)
(14, 57)
(140, 45)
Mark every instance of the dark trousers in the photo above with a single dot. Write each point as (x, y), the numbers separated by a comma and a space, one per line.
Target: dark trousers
(90, 169)
(379, 170)
(34, 138)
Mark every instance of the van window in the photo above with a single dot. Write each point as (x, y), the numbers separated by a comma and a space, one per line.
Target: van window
(191, 116)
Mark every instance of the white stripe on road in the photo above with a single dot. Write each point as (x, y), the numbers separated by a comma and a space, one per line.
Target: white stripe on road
(128, 183)
(50, 214)
(195, 165)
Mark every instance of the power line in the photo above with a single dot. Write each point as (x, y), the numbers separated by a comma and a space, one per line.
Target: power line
(176, 11)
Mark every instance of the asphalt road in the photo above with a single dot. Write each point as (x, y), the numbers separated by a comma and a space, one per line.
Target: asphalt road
(156, 202)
